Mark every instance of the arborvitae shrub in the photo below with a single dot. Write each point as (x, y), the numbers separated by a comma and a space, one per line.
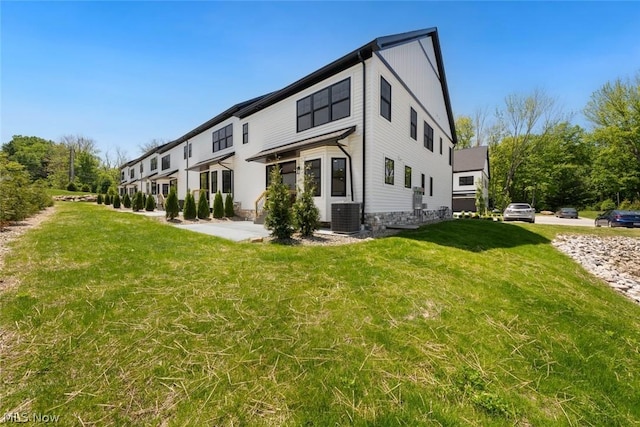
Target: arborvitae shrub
(172, 208)
(138, 202)
(150, 205)
(116, 201)
(203, 205)
(99, 199)
(144, 200)
(189, 209)
(107, 199)
(218, 206)
(71, 186)
(306, 215)
(228, 206)
(278, 207)
(126, 201)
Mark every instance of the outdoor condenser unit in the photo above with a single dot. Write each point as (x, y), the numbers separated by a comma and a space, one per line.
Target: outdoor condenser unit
(345, 217)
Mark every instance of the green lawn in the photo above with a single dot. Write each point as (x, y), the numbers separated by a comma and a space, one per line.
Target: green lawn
(122, 320)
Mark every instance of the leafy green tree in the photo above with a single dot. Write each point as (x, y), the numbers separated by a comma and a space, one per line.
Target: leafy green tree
(481, 206)
(150, 204)
(172, 208)
(33, 153)
(306, 215)
(218, 206)
(126, 201)
(203, 205)
(279, 218)
(189, 210)
(138, 202)
(464, 131)
(116, 201)
(228, 206)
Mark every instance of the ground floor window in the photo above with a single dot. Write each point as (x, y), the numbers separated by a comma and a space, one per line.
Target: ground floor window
(227, 181)
(165, 189)
(431, 186)
(422, 180)
(389, 171)
(204, 182)
(154, 188)
(407, 177)
(288, 172)
(338, 177)
(312, 167)
(132, 191)
(214, 181)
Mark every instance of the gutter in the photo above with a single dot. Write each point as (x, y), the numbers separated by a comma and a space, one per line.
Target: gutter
(364, 137)
(350, 167)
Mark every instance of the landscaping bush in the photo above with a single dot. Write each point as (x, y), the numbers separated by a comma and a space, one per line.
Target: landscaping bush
(107, 199)
(607, 205)
(150, 204)
(189, 209)
(71, 186)
(18, 198)
(86, 188)
(203, 205)
(126, 201)
(172, 208)
(278, 207)
(306, 215)
(116, 201)
(99, 200)
(630, 206)
(218, 207)
(144, 200)
(228, 206)
(138, 202)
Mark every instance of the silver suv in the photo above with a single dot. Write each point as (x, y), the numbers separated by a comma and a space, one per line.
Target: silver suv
(519, 212)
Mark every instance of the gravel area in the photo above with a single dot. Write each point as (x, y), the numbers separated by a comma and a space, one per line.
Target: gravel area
(615, 259)
(327, 238)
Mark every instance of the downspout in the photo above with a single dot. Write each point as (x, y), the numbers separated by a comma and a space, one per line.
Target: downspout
(350, 167)
(364, 136)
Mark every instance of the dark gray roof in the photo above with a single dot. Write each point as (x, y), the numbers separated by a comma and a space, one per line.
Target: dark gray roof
(470, 159)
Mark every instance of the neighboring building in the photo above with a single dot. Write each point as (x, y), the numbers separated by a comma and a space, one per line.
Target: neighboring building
(470, 171)
(375, 127)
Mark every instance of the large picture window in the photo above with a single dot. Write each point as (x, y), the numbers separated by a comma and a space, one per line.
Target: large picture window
(413, 127)
(223, 138)
(327, 105)
(287, 171)
(312, 167)
(389, 171)
(385, 99)
(166, 162)
(338, 177)
(428, 137)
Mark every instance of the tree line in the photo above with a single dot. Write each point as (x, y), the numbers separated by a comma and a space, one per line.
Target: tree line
(538, 156)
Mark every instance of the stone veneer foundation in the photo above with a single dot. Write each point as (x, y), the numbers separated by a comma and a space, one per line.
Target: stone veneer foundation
(379, 220)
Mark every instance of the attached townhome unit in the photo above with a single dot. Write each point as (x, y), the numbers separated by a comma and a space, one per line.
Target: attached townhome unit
(374, 128)
(470, 174)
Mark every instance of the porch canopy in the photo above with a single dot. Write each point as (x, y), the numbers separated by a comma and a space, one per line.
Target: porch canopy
(293, 149)
(204, 165)
(165, 175)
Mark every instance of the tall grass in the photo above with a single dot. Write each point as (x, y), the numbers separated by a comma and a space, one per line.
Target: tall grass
(121, 320)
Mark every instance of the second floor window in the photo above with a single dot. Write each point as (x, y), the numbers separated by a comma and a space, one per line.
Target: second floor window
(223, 138)
(132, 173)
(428, 137)
(465, 180)
(385, 99)
(187, 150)
(154, 163)
(327, 105)
(413, 127)
(166, 162)
(245, 133)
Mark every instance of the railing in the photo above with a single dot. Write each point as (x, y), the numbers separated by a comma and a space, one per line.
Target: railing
(259, 203)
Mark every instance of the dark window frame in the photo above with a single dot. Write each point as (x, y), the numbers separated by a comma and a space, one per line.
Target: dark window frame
(430, 186)
(385, 101)
(465, 180)
(154, 164)
(407, 174)
(422, 182)
(338, 164)
(141, 168)
(389, 171)
(132, 173)
(166, 162)
(245, 133)
(440, 146)
(321, 107)
(214, 182)
(310, 167)
(413, 125)
(222, 138)
(428, 137)
(227, 181)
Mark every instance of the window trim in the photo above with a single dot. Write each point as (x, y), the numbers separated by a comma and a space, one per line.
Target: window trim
(331, 103)
(383, 100)
(389, 178)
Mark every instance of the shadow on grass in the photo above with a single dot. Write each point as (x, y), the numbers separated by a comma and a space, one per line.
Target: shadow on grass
(475, 235)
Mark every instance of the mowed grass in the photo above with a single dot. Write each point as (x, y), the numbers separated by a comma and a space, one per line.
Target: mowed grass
(122, 320)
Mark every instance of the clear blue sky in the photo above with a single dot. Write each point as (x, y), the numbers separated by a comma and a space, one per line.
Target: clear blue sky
(124, 73)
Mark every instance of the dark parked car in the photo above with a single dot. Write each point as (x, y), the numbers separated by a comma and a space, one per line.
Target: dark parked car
(618, 218)
(567, 213)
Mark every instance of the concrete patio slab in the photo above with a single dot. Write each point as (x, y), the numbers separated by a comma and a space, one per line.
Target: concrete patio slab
(231, 230)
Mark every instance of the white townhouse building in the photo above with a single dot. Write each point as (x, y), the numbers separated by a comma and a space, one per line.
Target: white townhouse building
(470, 171)
(375, 128)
